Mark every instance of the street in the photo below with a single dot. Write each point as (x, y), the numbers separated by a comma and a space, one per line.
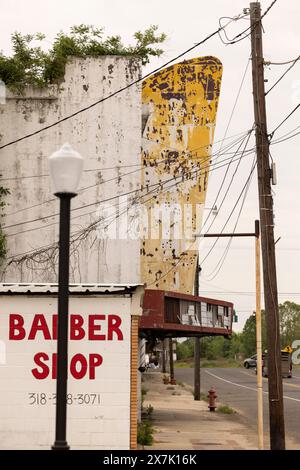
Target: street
(236, 387)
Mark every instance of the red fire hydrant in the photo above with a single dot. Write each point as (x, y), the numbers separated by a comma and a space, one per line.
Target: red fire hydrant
(212, 399)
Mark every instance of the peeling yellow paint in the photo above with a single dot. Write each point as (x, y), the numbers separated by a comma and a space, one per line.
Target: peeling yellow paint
(179, 115)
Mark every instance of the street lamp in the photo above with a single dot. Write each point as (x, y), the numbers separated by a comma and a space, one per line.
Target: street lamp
(65, 170)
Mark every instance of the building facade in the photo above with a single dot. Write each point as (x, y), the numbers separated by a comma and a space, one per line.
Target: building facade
(108, 136)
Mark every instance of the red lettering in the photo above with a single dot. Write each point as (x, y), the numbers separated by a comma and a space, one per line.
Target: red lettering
(16, 330)
(54, 326)
(81, 360)
(44, 372)
(77, 332)
(54, 365)
(39, 324)
(114, 322)
(95, 360)
(94, 327)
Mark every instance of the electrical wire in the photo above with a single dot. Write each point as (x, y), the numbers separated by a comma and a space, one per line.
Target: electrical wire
(88, 205)
(221, 261)
(227, 127)
(282, 76)
(283, 121)
(228, 147)
(180, 259)
(158, 186)
(228, 218)
(230, 183)
(237, 38)
(111, 95)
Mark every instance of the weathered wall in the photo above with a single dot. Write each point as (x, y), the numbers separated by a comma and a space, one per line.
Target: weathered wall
(107, 136)
(179, 106)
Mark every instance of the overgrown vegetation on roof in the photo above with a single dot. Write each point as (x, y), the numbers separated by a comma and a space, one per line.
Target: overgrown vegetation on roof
(31, 65)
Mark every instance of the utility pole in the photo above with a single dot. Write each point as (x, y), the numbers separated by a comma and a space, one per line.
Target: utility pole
(164, 356)
(256, 234)
(197, 345)
(260, 415)
(277, 432)
(171, 361)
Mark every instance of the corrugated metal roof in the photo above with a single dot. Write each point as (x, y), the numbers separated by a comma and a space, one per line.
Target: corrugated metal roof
(28, 288)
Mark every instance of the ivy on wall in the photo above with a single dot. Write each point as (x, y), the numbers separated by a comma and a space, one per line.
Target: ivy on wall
(31, 65)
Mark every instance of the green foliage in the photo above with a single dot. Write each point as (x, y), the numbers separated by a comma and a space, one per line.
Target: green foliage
(185, 350)
(249, 336)
(225, 409)
(289, 314)
(145, 433)
(3, 192)
(31, 65)
(212, 348)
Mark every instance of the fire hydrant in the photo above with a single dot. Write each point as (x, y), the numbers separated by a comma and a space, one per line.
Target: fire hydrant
(212, 399)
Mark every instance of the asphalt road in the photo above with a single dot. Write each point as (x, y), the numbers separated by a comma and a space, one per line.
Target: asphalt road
(237, 388)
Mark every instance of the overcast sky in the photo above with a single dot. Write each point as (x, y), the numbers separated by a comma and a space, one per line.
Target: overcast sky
(186, 23)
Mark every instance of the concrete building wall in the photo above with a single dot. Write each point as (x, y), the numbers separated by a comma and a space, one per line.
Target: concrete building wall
(108, 136)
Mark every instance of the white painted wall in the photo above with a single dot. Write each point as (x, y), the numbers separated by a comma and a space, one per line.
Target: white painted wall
(108, 135)
(104, 425)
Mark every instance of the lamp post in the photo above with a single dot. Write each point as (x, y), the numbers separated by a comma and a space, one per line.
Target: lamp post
(65, 170)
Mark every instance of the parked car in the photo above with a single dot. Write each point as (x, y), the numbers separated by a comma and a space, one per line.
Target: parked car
(250, 362)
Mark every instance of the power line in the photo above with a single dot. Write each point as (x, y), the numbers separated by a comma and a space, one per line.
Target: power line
(111, 95)
(283, 75)
(141, 165)
(135, 82)
(227, 127)
(240, 37)
(228, 147)
(158, 186)
(230, 183)
(175, 264)
(229, 217)
(283, 121)
(106, 200)
(221, 261)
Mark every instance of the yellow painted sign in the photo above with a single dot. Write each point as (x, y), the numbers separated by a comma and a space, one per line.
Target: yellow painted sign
(179, 116)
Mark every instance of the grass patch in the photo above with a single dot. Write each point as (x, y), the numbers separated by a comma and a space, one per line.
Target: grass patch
(205, 363)
(145, 433)
(181, 364)
(203, 397)
(225, 409)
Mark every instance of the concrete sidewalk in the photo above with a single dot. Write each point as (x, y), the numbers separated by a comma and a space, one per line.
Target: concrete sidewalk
(180, 422)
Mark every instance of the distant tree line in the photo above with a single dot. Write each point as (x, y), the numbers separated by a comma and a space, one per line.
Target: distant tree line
(245, 342)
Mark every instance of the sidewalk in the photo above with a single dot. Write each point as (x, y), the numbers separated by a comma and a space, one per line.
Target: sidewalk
(180, 422)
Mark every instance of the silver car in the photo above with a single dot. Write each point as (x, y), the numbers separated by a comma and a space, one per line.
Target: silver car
(250, 361)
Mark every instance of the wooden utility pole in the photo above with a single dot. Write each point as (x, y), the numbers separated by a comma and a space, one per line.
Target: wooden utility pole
(260, 416)
(197, 345)
(164, 356)
(171, 361)
(277, 432)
